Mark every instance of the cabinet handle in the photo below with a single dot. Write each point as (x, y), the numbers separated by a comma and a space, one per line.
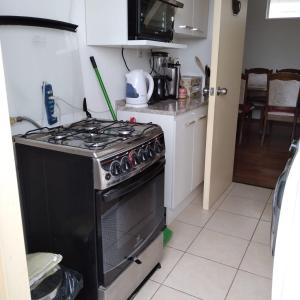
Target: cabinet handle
(197, 29)
(201, 118)
(185, 27)
(190, 123)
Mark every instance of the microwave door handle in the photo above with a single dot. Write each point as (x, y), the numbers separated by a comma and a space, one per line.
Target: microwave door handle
(173, 3)
(118, 192)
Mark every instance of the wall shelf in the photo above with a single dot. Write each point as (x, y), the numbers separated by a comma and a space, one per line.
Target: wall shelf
(142, 44)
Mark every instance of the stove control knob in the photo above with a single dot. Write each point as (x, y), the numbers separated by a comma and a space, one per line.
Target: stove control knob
(142, 155)
(115, 168)
(158, 147)
(150, 152)
(133, 158)
(125, 164)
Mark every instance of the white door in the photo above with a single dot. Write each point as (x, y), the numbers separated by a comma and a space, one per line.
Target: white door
(226, 69)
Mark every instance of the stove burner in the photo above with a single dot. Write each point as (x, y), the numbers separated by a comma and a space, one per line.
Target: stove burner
(125, 132)
(59, 137)
(89, 128)
(120, 131)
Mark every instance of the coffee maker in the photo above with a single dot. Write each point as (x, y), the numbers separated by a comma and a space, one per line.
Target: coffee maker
(159, 65)
(166, 76)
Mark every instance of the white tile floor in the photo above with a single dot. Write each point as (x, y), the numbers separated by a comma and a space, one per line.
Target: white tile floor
(220, 254)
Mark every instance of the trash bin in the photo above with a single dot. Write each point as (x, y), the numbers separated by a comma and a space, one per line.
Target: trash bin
(64, 284)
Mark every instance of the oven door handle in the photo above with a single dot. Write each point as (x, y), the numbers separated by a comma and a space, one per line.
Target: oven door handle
(118, 192)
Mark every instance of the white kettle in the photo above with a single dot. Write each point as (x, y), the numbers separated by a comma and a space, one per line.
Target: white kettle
(138, 92)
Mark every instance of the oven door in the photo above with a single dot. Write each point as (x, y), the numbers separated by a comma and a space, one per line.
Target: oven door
(156, 20)
(129, 217)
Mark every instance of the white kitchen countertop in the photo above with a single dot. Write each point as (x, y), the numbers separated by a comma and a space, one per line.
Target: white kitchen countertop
(169, 107)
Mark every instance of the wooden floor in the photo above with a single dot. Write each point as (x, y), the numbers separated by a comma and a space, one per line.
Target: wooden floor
(262, 165)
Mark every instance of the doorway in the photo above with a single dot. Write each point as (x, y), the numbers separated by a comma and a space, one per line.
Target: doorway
(271, 44)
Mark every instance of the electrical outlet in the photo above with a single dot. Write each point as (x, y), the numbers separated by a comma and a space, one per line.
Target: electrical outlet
(49, 102)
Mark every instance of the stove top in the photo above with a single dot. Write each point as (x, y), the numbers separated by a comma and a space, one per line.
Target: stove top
(91, 137)
(119, 149)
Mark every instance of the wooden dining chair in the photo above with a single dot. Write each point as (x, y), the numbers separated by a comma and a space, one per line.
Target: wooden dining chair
(294, 71)
(245, 108)
(283, 99)
(257, 88)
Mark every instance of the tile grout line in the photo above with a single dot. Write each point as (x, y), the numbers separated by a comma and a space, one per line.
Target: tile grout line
(163, 285)
(185, 252)
(226, 195)
(247, 248)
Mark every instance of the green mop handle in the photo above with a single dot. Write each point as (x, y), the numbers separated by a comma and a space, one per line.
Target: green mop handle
(102, 86)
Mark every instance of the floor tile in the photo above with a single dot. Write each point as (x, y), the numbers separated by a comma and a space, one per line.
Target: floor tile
(247, 207)
(231, 224)
(219, 247)
(199, 201)
(262, 233)
(195, 215)
(267, 215)
(170, 258)
(183, 235)
(201, 278)
(258, 260)
(147, 291)
(166, 293)
(251, 192)
(247, 286)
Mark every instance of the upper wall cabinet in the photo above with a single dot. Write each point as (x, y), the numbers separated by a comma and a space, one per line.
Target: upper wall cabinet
(107, 24)
(192, 20)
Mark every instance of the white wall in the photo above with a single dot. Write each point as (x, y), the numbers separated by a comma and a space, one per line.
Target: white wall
(270, 43)
(40, 58)
(32, 55)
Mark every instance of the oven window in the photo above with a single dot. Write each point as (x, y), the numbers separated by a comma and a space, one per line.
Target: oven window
(128, 223)
(156, 17)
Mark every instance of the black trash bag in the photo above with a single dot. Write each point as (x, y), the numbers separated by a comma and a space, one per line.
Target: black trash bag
(71, 285)
(64, 284)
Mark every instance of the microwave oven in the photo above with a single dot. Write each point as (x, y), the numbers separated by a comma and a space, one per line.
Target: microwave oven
(152, 19)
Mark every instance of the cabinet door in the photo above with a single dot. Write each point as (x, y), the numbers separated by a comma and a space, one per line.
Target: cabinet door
(183, 158)
(199, 151)
(200, 18)
(184, 19)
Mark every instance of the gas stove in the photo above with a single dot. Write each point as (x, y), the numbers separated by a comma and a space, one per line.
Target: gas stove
(119, 149)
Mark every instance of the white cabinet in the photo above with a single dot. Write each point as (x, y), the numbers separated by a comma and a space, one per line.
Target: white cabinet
(185, 139)
(183, 18)
(107, 25)
(191, 21)
(199, 150)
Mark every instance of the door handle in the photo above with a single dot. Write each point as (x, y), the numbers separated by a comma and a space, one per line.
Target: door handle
(190, 123)
(221, 91)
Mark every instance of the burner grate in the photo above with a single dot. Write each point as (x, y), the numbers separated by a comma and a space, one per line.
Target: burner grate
(91, 134)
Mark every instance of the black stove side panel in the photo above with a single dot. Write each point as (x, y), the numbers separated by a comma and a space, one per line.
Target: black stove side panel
(58, 209)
